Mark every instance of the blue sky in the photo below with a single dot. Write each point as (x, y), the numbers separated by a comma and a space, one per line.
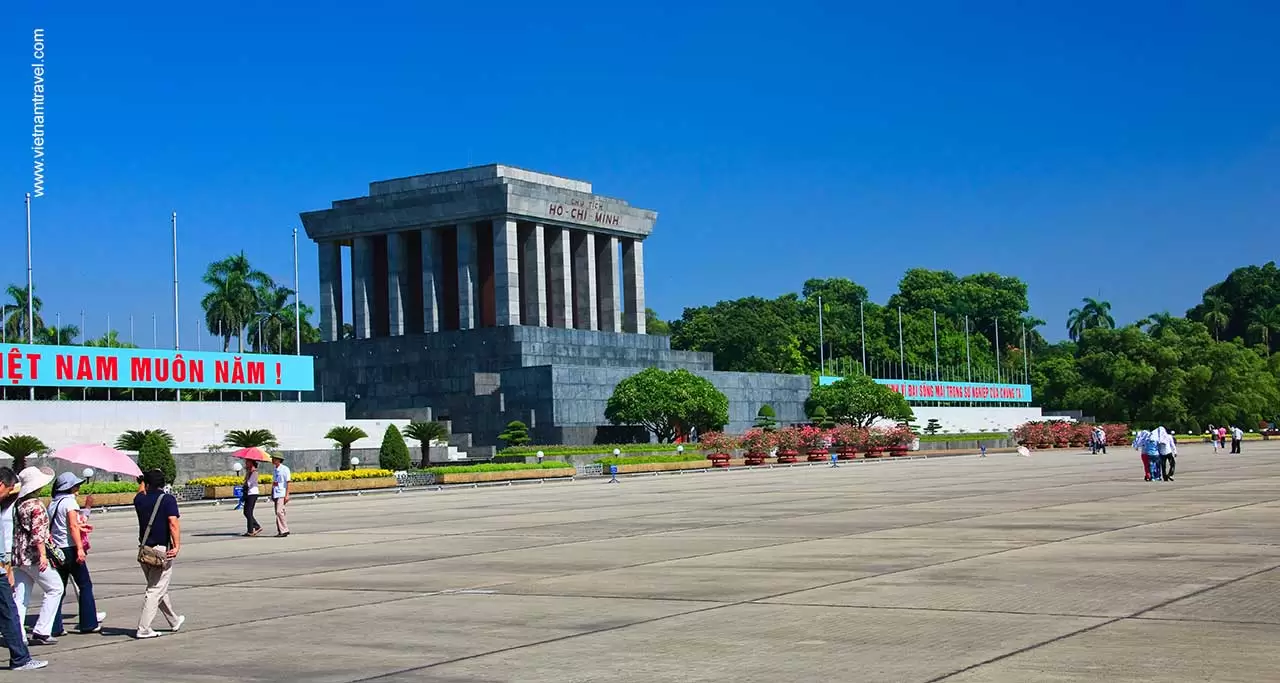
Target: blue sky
(1128, 151)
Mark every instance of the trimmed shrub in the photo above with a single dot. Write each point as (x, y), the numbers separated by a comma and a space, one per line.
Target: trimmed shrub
(516, 434)
(155, 454)
(647, 459)
(495, 467)
(394, 453)
(602, 448)
(766, 418)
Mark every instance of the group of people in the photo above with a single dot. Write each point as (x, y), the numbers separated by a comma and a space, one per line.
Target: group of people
(44, 546)
(1159, 450)
(250, 491)
(1098, 441)
(1218, 435)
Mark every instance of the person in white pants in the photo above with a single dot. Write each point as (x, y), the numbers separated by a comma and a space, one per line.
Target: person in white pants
(30, 559)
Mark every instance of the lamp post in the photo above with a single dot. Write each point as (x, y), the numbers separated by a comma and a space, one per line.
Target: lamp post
(238, 490)
(355, 462)
(540, 454)
(88, 473)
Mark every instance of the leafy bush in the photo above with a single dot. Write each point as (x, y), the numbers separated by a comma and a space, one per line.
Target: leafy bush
(506, 458)
(766, 418)
(550, 450)
(155, 455)
(234, 480)
(132, 440)
(647, 459)
(495, 467)
(718, 442)
(251, 438)
(758, 440)
(668, 403)
(821, 419)
(98, 487)
(516, 434)
(394, 453)
(788, 439)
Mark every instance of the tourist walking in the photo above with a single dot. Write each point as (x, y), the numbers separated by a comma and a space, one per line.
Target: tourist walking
(159, 540)
(1157, 448)
(1140, 442)
(1213, 438)
(1237, 435)
(67, 529)
(32, 555)
(1222, 438)
(10, 618)
(280, 493)
(1168, 455)
(250, 497)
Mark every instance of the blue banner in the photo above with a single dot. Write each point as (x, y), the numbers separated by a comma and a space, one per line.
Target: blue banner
(925, 390)
(24, 365)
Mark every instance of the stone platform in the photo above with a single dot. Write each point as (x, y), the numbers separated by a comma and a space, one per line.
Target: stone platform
(1062, 567)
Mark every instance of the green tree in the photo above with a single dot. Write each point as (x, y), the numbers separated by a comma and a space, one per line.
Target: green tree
(155, 454)
(1265, 321)
(668, 404)
(766, 418)
(1094, 313)
(20, 447)
(54, 335)
(343, 436)
(820, 418)
(655, 325)
(15, 322)
(516, 434)
(394, 453)
(859, 400)
(1227, 306)
(110, 340)
(251, 438)
(232, 302)
(1216, 314)
(133, 439)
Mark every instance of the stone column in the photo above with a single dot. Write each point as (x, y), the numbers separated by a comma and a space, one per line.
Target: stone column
(584, 278)
(432, 284)
(362, 287)
(534, 278)
(560, 267)
(330, 291)
(397, 284)
(607, 283)
(506, 272)
(468, 296)
(633, 286)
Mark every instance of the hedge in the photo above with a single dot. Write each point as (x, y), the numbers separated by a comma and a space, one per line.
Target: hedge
(264, 478)
(597, 448)
(647, 459)
(494, 467)
(968, 436)
(92, 487)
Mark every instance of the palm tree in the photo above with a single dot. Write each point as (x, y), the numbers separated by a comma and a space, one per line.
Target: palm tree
(1156, 323)
(425, 432)
(21, 446)
(1265, 321)
(110, 340)
(251, 438)
(132, 439)
(52, 334)
(1093, 313)
(232, 302)
(15, 323)
(1217, 314)
(274, 317)
(343, 437)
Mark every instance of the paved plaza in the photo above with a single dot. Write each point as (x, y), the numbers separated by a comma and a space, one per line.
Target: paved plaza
(1059, 567)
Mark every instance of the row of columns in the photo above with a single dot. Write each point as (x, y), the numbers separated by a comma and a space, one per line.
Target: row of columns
(499, 272)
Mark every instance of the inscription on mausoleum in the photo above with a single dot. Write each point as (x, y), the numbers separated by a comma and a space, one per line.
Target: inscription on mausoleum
(589, 211)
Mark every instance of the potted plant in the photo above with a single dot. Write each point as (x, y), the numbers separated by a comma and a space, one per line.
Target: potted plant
(788, 442)
(757, 443)
(1080, 434)
(718, 446)
(848, 438)
(814, 442)
(877, 442)
(1061, 431)
(899, 439)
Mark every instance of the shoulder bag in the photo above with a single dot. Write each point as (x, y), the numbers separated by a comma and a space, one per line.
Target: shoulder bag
(148, 555)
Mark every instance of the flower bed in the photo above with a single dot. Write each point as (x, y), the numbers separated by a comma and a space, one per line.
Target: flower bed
(553, 449)
(479, 473)
(297, 477)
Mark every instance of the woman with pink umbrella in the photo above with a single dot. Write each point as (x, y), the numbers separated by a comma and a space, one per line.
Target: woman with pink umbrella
(67, 529)
(251, 457)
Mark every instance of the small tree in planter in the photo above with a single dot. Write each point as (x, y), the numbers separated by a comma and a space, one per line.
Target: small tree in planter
(900, 439)
(877, 442)
(719, 447)
(788, 442)
(821, 419)
(516, 434)
(814, 442)
(848, 439)
(766, 419)
(394, 453)
(758, 443)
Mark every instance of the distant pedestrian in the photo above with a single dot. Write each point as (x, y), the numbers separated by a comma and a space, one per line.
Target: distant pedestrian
(31, 555)
(250, 497)
(10, 618)
(982, 447)
(1140, 442)
(280, 493)
(1222, 438)
(1237, 435)
(67, 530)
(1168, 456)
(159, 536)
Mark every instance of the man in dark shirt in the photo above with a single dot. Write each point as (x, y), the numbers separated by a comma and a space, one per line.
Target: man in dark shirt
(165, 534)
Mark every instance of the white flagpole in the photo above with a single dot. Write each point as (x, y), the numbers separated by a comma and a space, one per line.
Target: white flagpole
(173, 219)
(297, 304)
(902, 354)
(997, 350)
(31, 294)
(937, 369)
(822, 344)
(862, 324)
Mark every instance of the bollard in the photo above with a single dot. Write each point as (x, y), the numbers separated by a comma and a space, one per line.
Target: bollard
(834, 458)
(613, 474)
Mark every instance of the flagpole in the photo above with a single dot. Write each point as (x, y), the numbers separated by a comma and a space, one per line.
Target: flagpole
(297, 305)
(997, 350)
(173, 219)
(862, 324)
(31, 295)
(968, 359)
(822, 345)
(937, 369)
(902, 353)
(1026, 365)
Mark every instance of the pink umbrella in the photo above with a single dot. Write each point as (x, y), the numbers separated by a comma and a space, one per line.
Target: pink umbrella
(252, 453)
(99, 457)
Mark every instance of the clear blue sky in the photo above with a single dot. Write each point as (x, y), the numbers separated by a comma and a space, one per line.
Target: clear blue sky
(1097, 148)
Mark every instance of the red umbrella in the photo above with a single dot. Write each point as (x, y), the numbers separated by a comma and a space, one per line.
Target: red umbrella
(252, 453)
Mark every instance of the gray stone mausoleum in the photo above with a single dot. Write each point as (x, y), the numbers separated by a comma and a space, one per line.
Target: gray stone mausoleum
(491, 294)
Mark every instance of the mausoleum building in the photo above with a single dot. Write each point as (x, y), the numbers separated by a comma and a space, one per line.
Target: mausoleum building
(493, 293)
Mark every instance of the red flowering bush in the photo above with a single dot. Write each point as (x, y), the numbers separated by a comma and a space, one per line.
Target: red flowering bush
(813, 438)
(758, 441)
(879, 438)
(1035, 433)
(1117, 434)
(849, 435)
(718, 442)
(1081, 433)
(901, 436)
(788, 439)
